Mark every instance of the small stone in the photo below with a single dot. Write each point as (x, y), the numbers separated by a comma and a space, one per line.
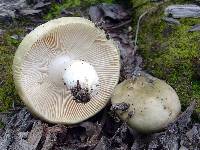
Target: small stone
(130, 29)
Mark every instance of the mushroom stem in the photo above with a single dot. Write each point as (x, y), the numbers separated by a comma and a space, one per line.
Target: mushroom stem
(82, 72)
(77, 75)
(82, 79)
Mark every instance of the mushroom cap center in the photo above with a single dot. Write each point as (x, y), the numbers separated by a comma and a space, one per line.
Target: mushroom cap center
(77, 75)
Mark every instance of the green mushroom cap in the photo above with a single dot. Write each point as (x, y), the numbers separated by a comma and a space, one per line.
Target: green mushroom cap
(154, 103)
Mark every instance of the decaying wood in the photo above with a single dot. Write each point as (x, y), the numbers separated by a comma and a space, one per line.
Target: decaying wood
(24, 132)
(183, 11)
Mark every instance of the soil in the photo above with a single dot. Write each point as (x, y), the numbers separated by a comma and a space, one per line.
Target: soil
(105, 131)
(81, 95)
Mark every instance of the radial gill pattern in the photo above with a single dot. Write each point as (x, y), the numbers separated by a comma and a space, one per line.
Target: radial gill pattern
(67, 39)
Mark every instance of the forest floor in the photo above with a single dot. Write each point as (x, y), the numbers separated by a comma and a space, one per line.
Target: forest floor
(20, 130)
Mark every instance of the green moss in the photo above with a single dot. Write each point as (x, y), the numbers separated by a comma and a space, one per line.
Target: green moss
(7, 49)
(1, 125)
(170, 53)
(56, 8)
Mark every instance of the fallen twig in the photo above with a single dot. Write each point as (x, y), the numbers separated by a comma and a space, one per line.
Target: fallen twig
(138, 27)
(119, 25)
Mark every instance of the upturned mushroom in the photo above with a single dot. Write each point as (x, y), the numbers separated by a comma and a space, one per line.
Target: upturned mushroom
(66, 69)
(153, 103)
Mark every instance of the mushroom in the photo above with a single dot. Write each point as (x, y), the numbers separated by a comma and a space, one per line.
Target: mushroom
(66, 69)
(152, 103)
